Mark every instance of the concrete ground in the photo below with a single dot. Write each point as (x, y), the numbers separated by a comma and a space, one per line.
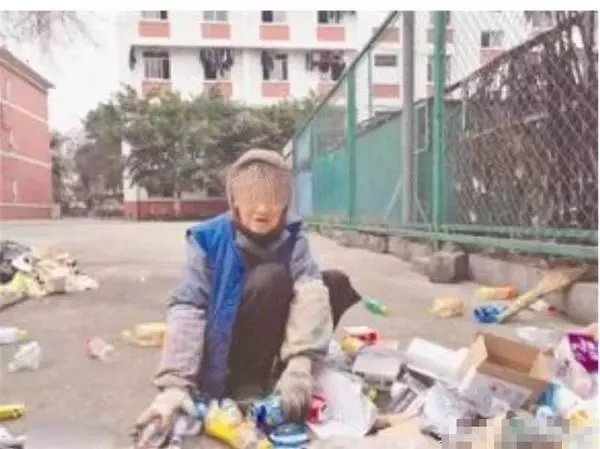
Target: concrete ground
(137, 265)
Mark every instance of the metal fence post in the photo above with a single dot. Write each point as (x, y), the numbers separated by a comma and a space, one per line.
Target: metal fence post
(439, 80)
(351, 142)
(408, 112)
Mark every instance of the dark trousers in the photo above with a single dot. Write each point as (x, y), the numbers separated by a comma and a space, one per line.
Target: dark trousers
(259, 328)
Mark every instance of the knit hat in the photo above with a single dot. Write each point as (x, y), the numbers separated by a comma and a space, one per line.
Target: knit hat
(253, 170)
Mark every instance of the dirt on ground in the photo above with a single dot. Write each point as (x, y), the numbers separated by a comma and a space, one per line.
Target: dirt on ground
(137, 266)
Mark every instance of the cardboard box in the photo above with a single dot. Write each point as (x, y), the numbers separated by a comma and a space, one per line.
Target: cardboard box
(501, 374)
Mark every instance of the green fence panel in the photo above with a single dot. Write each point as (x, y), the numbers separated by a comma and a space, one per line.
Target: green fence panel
(378, 160)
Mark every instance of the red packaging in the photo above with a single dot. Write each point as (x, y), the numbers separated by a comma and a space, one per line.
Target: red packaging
(318, 409)
(366, 334)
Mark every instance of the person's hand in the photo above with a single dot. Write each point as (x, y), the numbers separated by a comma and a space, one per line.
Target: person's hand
(161, 412)
(295, 388)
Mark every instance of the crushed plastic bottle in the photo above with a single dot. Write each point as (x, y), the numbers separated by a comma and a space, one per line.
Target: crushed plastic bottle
(9, 335)
(97, 348)
(28, 356)
(543, 339)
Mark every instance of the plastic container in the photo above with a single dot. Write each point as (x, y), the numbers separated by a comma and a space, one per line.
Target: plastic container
(9, 335)
(28, 356)
(97, 348)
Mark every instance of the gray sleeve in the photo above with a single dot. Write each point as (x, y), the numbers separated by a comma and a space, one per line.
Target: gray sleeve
(186, 323)
(302, 265)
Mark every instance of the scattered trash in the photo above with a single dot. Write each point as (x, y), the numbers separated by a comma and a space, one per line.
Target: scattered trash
(444, 409)
(433, 360)
(9, 335)
(501, 374)
(351, 345)
(447, 307)
(146, 334)
(351, 413)
(9, 251)
(488, 314)
(290, 435)
(375, 306)
(492, 293)
(28, 356)
(224, 421)
(368, 335)
(378, 367)
(267, 413)
(9, 442)
(11, 411)
(554, 280)
(544, 339)
(576, 363)
(97, 348)
(33, 273)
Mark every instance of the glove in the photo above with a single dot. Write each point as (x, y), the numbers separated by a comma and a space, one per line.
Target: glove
(162, 412)
(295, 387)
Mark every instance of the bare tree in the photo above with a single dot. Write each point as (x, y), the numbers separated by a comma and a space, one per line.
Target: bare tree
(42, 27)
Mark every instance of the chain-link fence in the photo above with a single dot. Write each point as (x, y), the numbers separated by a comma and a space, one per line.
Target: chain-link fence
(503, 145)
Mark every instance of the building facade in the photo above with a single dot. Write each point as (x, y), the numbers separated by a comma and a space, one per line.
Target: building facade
(260, 57)
(25, 156)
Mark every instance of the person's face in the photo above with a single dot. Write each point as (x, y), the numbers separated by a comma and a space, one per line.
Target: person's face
(260, 203)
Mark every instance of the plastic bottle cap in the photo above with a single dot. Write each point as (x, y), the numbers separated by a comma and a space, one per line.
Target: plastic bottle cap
(23, 334)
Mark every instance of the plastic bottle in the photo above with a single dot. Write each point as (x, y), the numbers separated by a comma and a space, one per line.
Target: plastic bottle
(146, 334)
(375, 306)
(9, 335)
(28, 356)
(489, 293)
(99, 349)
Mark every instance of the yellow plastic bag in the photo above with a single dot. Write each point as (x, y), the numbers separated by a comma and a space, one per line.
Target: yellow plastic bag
(447, 307)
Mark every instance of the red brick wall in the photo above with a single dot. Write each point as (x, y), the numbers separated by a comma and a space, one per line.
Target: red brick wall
(160, 209)
(25, 160)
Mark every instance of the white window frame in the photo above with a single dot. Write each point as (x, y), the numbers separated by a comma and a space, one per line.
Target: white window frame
(278, 18)
(156, 64)
(492, 33)
(154, 15)
(385, 55)
(215, 16)
(429, 68)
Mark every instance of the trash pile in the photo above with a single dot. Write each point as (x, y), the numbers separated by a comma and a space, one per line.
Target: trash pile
(370, 394)
(35, 272)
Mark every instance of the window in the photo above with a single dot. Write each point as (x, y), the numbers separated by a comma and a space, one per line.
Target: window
(15, 191)
(278, 65)
(11, 140)
(385, 61)
(542, 19)
(430, 69)
(215, 16)
(157, 65)
(155, 15)
(432, 18)
(216, 63)
(492, 39)
(273, 16)
(330, 17)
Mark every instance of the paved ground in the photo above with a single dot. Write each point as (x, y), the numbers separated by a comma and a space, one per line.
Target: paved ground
(137, 265)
